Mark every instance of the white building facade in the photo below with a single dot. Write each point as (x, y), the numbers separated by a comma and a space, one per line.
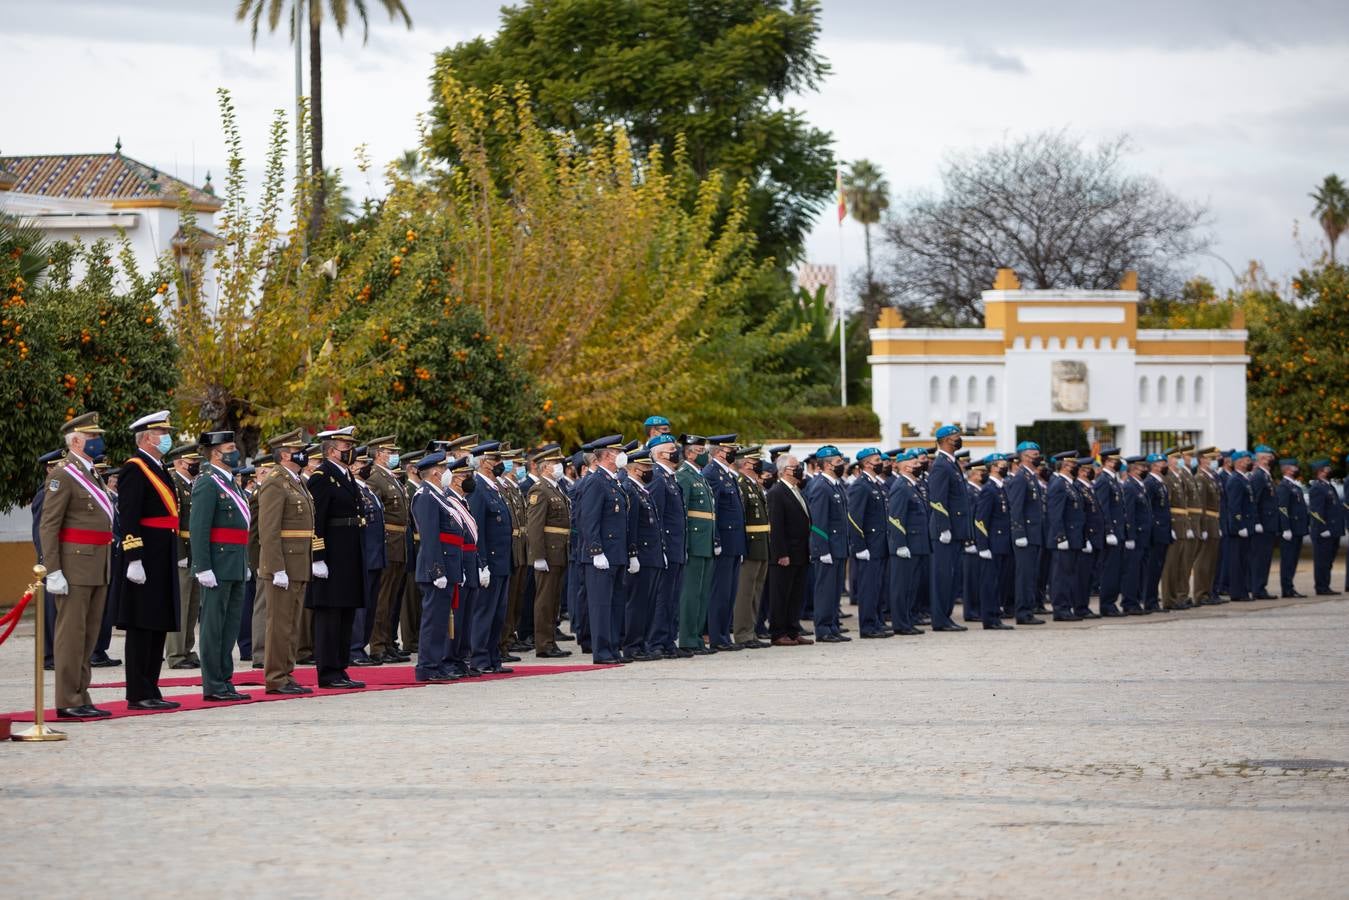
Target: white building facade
(1059, 356)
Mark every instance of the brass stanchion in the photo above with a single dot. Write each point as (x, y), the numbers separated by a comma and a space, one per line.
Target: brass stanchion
(39, 731)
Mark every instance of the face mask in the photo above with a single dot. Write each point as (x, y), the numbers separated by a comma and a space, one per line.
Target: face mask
(230, 460)
(346, 457)
(1072, 471)
(1001, 472)
(1213, 465)
(470, 484)
(770, 481)
(93, 448)
(365, 470)
(621, 460)
(701, 459)
(888, 470)
(960, 443)
(1165, 469)
(521, 474)
(193, 468)
(646, 476)
(837, 470)
(164, 444)
(394, 459)
(446, 478)
(556, 471)
(299, 458)
(799, 473)
(498, 469)
(508, 466)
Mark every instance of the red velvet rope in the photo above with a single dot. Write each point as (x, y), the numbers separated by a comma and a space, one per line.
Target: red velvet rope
(12, 617)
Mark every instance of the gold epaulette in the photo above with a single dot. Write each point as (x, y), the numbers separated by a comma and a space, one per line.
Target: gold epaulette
(317, 544)
(898, 524)
(132, 542)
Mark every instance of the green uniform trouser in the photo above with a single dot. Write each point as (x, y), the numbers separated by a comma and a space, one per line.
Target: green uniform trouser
(221, 609)
(693, 601)
(1206, 565)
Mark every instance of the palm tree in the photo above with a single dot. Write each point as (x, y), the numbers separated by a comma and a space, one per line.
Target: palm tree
(253, 11)
(27, 243)
(1332, 210)
(868, 195)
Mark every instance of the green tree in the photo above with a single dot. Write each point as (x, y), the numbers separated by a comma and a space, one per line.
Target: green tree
(715, 75)
(868, 196)
(1332, 210)
(26, 245)
(252, 11)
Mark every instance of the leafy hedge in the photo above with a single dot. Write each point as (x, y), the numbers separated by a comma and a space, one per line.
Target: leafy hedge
(853, 422)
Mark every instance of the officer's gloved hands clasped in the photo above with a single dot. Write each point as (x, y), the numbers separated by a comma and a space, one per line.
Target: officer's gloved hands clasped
(1129, 545)
(281, 580)
(1203, 535)
(320, 569)
(985, 554)
(182, 563)
(971, 549)
(1287, 534)
(904, 553)
(1259, 529)
(716, 551)
(1022, 542)
(1173, 534)
(827, 559)
(600, 562)
(864, 555)
(56, 583)
(634, 565)
(540, 565)
(945, 537)
(206, 578)
(1244, 532)
(1062, 545)
(441, 583)
(1325, 534)
(135, 572)
(485, 577)
(1111, 540)
(1189, 534)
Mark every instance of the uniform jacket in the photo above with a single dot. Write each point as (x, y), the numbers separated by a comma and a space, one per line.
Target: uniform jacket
(372, 532)
(993, 519)
(396, 515)
(949, 501)
(1239, 510)
(515, 502)
(867, 517)
(76, 524)
(1210, 503)
(1292, 508)
(906, 518)
(603, 520)
(755, 503)
(1194, 511)
(219, 525)
(1137, 513)
(147, 507)
(828, 503)
(36, 508)
(254, 547)
(1325, 510)
(669, 500)
(644, 531)
(1175, 495)
(729, 510)
(285, 529)
(548, 524)
(1026, 505)
(1159, 497)
(492, 512)
(469, 559)
(338, 517)
(1109, 493)
(1095, 531)
(1067, 519)
(182, 486)
(788, 526)
(700, 527)
(441, 554)
(575, 494)
(1265, 506)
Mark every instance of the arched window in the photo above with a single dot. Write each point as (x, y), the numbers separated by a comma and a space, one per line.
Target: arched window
(1161, 394)
(953, 394)
(972, 391)
(1199, 392)
(991, 392)
(1180, 392)
(933, 390)
(1143, 391)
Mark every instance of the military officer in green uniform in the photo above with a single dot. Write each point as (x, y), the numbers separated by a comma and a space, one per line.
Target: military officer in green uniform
(547, 533)
(286, 544)
(218, 526)
(1209, 492)
(183, 463)
(1170, 591)
(1190, 539)
(754, 570)
(515, 592)
(700, 534)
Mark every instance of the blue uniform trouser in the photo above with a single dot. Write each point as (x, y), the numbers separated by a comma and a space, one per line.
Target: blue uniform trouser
(1324, 551)
(1156, 562)
(1086, 564)
(1289, 551)
(461, 645)
(1238, 578)
(639, 608)
(604, 596)
(945, 570)
(721, 602)
(364, 623)
(1133, 572)
(971, 577)
(1112, 562)
(245, 639)
(903, 589)
(1063, 580)
(870, 578)
(433, 640)
(994, 581)
(576, 603)
(828, 581)
(221, 608)
(489, 617)
(664, 606)
(1260, 553)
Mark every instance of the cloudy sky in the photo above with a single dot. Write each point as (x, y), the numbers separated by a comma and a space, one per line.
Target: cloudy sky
(1239, 104)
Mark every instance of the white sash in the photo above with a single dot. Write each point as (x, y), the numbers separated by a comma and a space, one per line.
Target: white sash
(92, 488)
(238, 501)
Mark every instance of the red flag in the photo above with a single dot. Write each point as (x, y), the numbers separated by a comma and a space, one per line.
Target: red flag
(842, 198)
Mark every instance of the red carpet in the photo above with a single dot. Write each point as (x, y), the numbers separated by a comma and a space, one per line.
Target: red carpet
(377, 678)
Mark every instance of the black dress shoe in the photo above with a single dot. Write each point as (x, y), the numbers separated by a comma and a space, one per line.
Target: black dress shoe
(606, 662)
(830, 639)
(1135, 612)
(1264, 595)
(291, 688)
(184, 664)
(560, 635)
(684, 653)
(343, 684)
(924, 620)
(104, 662)
(1087, 614)
(509, 657)
(258, 665)
(1108, 613)
(1293, 595)
(952, 627)
(754, 644)
(520, 646)
(153, 703)
(1029, 620)
(998, 626)
(101, 713)
(727, 648)
(48, 667)
(877, 635)
(552, 653)
(227, 697)
(364, 661)
(1327, 593)
(1067, 617)
(78, 712)
(909, 632)
(473, 672)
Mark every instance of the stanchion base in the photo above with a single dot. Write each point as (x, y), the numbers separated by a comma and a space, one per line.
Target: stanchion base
(39, 732)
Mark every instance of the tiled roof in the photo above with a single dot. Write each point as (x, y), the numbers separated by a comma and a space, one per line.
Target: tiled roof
(98, 176)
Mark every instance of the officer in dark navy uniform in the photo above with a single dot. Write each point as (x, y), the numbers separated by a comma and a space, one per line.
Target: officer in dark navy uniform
(908, 545)
(647, 538)
(827, 497)
(439, 568)
(1238, 524)
(605, 547)
(1265, 514)
(1159, 498)
(1137, 514)
(867, 539)
(1109, 494)
(1327, 526)
(1294, 525)
(1026, 506)
(338, 588)
(948, 526)
(1067, 535)
(669, 502)
(730, 516)
(495, 558)
(1094, 537)
(993, 537)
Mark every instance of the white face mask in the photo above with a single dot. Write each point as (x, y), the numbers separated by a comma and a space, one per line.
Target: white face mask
(446, 478)
(555, 472)
(621, 460)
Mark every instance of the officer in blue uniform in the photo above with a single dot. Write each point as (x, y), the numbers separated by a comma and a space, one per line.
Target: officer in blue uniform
(648, 540)
(577, 608)
(1067, 535)
(1094, 533)
(495, 547)
(867, 539)
(462, 485)
(439, 568)
(1159, 499)
(1265, 532)
(910, 550)
(993, 538)
(970, 569)
(948, 526)
(1326, 513)
(1294, 525)
(1238, 523)
(730, 513)
(669, 503)
(827, 498)
(1109, 495)
(1026, 508)
(655, 426)
(1137, 537)
(605, 546)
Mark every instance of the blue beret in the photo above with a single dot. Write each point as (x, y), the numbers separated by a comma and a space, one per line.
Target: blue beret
(1287, 462)
(947, 431)
(1264, 448)
(660, 439)
(994, 457)
(867, 451)
(1320, 464)
(827, 451)
(1239, 454)
(654, 421)
(1027, 445)
(1156, 457)
(432, 459)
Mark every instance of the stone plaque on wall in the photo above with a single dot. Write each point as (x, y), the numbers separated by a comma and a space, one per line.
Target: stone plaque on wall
(1069, 386)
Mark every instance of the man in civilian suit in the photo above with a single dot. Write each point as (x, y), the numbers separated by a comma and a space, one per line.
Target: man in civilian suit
(789, 540)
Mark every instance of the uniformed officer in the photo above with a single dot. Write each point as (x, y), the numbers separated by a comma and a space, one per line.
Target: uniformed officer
(218, 529)
(827, 497)
(338, 589)
(492, 513)
(48, 462)
(655, 425)
(753, 575)
(1266, 515)
(908, 546)
(948, 526)
(867, 540)
(1094, 534)
(970, 569)
(249, 643)
(1327, 526)
(547, 537)
(993, 538)
(512, 461)
(460, 486)
(1170, 591)
(100, 659)
(606, 545)
(1108, 490)
(1238, 523)
(669, 502)
(1190, 539)
(147, 507)
(183, 462)
(75, 532)
(648, 541)
(1137, 538)
(286, 543)
(1159, 498)
(704, 545)
(1294, 525)
(1067, 535)
(1210, 494)
(385, 458)
(373, 550)
(409, 599)
(730, 513)
(1026, 508)
(439, 568)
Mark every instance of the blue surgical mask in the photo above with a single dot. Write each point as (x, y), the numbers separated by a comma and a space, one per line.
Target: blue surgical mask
(94, 447)
(165, 443)
(394, 459)
(509, 466)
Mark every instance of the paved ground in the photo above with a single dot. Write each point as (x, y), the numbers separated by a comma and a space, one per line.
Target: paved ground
(1105, 759)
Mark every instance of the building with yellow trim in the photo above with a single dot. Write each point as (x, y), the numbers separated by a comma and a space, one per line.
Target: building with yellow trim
(1058, 356)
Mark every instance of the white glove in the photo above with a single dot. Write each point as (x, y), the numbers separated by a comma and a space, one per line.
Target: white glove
(985, 554)
(320, 569)
(182, 563)
(904, 553)
(600, 561)
(1173, 534)
(1189, 534)
(634, 565)
(1111, 540)
(441, 583)
(1203, 535)
(1129, 545)
(135, 572)
(1022, 542)
(206, 578)
(540, 565)
(827, 559)
(1244, 533)
(484, 577)
(281, 580)
(56, 583)
(944, 537)
(248, 574)
(1087, 548)
(665, 560)
(1062, 545)
(863, 555)
(1259, 529)
(971, 549)
(1325, 534)
(716, 551)
(1287, 534)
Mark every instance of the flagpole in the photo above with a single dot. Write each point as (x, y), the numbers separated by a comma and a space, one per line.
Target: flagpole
(838, 296)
